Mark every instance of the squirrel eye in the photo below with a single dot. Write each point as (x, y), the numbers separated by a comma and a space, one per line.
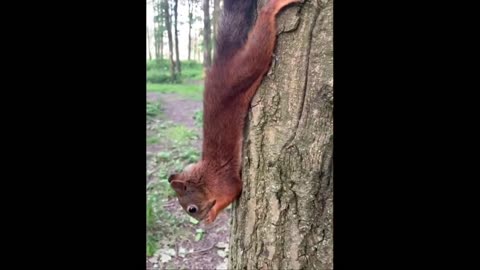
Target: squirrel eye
(192, 209)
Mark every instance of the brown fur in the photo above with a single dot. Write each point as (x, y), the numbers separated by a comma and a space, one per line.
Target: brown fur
(215, 181)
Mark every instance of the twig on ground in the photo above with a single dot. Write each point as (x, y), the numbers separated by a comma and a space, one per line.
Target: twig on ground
(202, 250)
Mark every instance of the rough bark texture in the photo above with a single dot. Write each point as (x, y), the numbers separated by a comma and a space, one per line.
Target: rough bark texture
(283, 220)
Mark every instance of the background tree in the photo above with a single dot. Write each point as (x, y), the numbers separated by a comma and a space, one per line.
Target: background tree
(159, 28)
(148, 46)
(190, 22)
(283, 219)
(207, 52)
(177, 53)
(168, 25)
(197, 47)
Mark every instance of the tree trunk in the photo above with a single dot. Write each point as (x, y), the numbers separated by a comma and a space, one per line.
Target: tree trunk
(159, 28)
(162, 31)
(156, 12)
(216, 12)
(190, 22)
(168, 24)
(207, 50)
(177, 53)
(148, 46)
(196, 49)
(155, 40)
(283, 219)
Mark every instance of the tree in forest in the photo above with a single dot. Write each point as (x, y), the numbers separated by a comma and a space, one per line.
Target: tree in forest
(156, 14)
(196, 47)
(159, 28)
(148, 45)
(161, 31)
(207, 51)
(192, 4)
(177, 53)
(190, 22)
(168, 25)
(283, 219)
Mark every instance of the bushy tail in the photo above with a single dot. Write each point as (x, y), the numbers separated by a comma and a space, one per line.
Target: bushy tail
(234, 24)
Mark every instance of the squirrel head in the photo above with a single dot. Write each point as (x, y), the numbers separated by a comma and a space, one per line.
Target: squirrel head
(191, 191)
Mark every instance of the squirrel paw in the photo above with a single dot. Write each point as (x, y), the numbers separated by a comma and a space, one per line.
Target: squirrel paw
(211, 217)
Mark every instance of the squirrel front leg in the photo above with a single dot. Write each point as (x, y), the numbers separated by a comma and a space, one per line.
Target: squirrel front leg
(225, 197)
(220, 204)
(253, 60)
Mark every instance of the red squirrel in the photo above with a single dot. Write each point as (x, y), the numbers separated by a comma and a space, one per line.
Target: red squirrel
(241, 61)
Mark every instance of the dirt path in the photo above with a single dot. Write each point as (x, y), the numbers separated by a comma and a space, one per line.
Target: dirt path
(177, 108)
(210, 252)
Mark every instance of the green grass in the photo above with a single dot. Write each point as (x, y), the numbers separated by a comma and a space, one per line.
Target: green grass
(198, 118)
(194, 74)
(153, 109)
(160, 223)
(178, 151)
(190, 91)
(153, 140)
(180, 134)
(152, 238)
(158, 71)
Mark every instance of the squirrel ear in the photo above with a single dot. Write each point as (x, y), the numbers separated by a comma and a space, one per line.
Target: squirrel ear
(178, 185)
(172, 177)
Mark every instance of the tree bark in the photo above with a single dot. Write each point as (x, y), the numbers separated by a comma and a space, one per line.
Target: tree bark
(207, 50)
(168, 24)
(283, 219)
(177, 53)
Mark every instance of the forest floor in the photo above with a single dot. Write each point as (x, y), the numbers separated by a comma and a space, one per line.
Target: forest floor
(173, 140)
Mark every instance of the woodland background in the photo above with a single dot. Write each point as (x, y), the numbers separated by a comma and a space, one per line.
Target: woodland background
(178, 50)
(284, 218)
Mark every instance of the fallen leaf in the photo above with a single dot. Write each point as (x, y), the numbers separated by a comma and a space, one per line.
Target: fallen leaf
(194, 221)
(182, 251)
(153, 259)
(221, 253)
(165, 258)
(168, 251)
(222, 266)
(199, 234)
